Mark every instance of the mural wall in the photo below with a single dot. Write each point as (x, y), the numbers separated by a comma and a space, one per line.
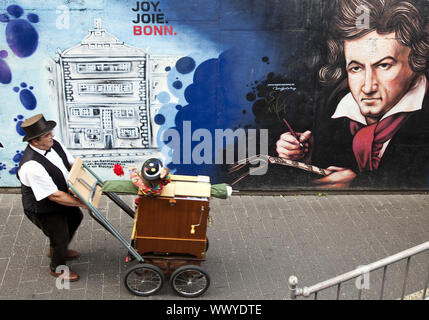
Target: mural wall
(204, 84)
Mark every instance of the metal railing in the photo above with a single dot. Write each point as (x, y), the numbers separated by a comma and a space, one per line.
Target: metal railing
(295, 291)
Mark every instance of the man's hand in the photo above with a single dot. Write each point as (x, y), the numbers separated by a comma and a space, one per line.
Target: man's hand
(288, 147)
(66, 199)
(337, 179)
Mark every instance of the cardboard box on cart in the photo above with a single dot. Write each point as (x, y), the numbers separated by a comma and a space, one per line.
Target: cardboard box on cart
(176, 221)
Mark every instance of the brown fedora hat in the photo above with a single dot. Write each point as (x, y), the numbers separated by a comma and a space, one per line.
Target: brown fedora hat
(36, 126)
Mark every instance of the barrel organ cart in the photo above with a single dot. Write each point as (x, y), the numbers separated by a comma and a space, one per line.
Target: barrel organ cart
(169, 238)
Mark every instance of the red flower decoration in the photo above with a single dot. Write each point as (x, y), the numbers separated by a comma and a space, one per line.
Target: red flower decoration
(118, 170)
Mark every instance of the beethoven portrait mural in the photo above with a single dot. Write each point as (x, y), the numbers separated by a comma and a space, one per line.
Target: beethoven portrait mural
(372, 132)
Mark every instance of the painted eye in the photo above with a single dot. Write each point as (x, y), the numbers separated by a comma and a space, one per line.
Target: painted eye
(384, 66)
(355, 69)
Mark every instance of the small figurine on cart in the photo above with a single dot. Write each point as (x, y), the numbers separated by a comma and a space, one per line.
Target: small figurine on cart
(151, 179)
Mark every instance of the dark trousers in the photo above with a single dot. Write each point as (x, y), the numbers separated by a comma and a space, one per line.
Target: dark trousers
(59, 227)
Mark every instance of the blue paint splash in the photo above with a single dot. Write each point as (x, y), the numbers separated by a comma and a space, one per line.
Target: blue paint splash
(163, 97)
(177, 84)
(21, 36)
(19, 120)
(14, 170)
(15, 10)
(34, 18)
(201, 110)
(159, 119)
(5, 72)
(26, 97)
(185, 65)
(16, 158)
(2, 167)
(216, 99)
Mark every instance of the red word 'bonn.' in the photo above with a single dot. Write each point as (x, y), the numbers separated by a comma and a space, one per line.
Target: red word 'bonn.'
(153, 30)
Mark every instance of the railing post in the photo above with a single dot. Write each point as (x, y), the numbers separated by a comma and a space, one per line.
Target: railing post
(426, 287)
(406, 278)
(293, 282)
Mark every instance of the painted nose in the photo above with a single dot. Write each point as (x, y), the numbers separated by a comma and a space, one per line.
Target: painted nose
(370, 85)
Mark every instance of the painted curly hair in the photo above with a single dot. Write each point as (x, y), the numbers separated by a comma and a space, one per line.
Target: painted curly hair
(402, 17)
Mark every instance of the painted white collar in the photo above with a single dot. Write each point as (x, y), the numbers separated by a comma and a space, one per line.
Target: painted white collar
(411, 101)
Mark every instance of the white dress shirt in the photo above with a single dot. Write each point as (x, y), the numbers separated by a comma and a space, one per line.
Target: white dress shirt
(410, 102)
(32, 174)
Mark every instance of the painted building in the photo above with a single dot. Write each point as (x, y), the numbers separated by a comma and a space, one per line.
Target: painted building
(106, 93)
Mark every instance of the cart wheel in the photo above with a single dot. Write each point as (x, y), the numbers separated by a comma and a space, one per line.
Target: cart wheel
(144, 279)
(189, 281)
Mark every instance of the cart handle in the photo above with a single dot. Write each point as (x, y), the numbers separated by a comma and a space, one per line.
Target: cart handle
(93, 188)
(102, 220)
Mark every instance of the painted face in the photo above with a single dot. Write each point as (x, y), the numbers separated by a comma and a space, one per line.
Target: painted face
(45, 141)
(378, 71)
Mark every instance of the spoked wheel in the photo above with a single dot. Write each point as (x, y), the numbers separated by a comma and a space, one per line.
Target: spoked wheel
(189, 281)
(144, 279)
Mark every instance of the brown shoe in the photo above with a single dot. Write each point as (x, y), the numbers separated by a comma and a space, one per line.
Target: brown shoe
(70, 254)
(72, 276)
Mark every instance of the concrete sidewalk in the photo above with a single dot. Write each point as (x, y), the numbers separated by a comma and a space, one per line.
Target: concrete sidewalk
(256, 243)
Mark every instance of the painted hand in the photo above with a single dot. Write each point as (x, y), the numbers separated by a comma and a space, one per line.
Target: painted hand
(338, 178)
(288, 146)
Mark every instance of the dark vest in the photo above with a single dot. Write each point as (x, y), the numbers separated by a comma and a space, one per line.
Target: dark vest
(29, 201)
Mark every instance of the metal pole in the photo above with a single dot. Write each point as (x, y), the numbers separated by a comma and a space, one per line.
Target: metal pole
(115, 198)
(406, 278)
(108, 225)
(338, 291)
(382, 283)
(293, 282)
(426, 286)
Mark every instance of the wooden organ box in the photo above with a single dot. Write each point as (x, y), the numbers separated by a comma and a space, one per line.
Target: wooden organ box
(176, 221)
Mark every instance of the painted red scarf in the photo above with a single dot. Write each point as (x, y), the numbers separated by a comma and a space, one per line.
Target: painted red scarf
(368, 140)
